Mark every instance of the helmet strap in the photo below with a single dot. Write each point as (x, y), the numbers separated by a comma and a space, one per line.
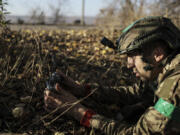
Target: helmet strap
(148, 67)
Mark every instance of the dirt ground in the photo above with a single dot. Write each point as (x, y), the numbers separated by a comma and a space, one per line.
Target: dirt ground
(26, 64)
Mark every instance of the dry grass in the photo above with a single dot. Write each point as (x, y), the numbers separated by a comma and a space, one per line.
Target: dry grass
(26, 64)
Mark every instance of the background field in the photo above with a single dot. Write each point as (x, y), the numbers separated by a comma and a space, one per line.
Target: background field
(26, 64)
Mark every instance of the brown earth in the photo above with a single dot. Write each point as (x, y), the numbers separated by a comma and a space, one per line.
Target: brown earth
(26, 64)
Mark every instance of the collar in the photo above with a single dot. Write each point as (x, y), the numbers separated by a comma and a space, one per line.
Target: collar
(169, 64)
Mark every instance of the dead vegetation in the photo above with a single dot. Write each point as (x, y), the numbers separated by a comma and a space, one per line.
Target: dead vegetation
(26, 64)
(121, 13)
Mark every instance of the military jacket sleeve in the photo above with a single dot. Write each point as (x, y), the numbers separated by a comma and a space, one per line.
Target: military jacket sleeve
(123, 94)
(152, 121)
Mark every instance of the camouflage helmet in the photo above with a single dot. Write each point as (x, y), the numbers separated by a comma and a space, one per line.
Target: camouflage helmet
(147, 30)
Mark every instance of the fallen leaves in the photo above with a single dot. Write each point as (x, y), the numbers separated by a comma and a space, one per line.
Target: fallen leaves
(27, 63)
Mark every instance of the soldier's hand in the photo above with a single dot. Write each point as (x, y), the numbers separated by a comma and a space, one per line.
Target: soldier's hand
(63, 101)
(72, 86)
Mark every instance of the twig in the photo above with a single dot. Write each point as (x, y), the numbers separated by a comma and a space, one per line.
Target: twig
(73, 104)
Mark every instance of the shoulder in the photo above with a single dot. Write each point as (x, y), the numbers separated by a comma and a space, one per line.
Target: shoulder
(169, 87)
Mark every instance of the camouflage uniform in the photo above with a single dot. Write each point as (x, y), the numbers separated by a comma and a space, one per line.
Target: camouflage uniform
(152, 121)
(128, 99)
(163, 117)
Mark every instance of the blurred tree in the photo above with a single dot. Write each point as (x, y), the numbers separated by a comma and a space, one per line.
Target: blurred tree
(77, 22)
(41, 18)
(37, 16)
(57, 11)
(168, 8)
(33, 16)
(123, 12)
(3, 12)
(20, 21)
(173, 6)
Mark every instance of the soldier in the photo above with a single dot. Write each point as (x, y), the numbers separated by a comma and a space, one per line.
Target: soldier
(152, 47)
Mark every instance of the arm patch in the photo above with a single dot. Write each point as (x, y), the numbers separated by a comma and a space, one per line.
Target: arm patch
(167, 109)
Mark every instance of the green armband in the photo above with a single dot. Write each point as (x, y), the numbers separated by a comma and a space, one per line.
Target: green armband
(167, 109)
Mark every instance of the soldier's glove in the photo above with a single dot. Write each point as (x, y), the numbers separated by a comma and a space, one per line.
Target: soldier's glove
(67, 83)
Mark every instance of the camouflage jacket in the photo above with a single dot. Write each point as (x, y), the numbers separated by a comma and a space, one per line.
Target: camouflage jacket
(156, 119)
